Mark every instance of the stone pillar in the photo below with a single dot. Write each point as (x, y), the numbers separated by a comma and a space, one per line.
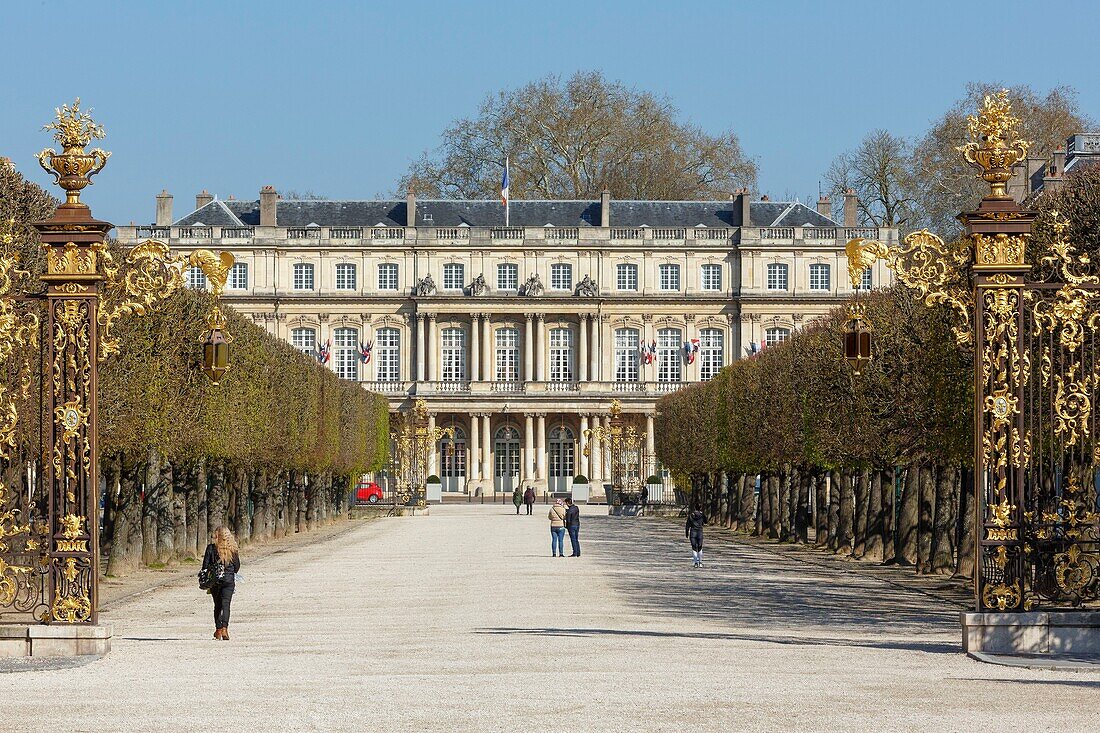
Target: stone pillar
(594, 367)
(164, 209)
(269, 201)
(540, 348)
(433, 466)
(582, 344)
(605, 208)
(529, 446)
(540, 442)
(432, 350)
(651, 457)
(474, 463)
(475, 349)
(487, 453)
(410, 208)
(487, 347)
(421, 355)
(528, 354)
(583, 461)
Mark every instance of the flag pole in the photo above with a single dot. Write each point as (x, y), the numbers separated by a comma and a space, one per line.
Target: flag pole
(508, 194)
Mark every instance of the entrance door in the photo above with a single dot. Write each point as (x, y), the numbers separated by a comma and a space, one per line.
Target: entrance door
(452, 455)
(561, 459)
(506, 468)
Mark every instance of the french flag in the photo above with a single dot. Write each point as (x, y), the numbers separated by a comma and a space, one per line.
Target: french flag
(504, 190)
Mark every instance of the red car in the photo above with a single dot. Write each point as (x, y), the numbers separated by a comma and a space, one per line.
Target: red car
(368, 492)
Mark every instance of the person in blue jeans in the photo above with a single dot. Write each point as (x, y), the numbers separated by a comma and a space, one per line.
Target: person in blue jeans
(573, 526)
(557, 529)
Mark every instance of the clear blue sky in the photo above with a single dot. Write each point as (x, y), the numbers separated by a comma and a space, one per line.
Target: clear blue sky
(338, 96)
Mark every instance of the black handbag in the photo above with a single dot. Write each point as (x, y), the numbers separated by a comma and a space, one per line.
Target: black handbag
(211, 575)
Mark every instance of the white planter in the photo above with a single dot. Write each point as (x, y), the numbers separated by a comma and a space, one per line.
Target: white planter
(435, 493)
(580, 492)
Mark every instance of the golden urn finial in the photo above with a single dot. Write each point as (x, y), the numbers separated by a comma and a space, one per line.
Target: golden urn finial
(73, 168)
(992, 147)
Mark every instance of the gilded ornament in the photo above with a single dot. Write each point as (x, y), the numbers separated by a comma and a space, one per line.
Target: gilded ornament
(72, 417)
(1001, 514)
(72, 526)
(73, 168)
(1072, 405)
(991, 147)
(862, 255)
(1001, 596)
(1074, 570)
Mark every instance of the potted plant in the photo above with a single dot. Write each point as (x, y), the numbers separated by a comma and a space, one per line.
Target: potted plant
(434, 488)
(580, 488)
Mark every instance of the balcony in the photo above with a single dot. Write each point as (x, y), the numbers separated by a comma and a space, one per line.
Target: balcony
(507, 233)
(153, 233)
(196, 232)
(238, 233)
(666, 387)
(719, 234)
(626, 233)
(564, 233)
(561, 387)
(668, 233)
(387, 388)
(453, 233)
(508, 387)
(387, 233)
(306, 233)
(345, 233)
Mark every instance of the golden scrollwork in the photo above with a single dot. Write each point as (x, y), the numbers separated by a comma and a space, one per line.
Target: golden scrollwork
(1073, 405)
(999, 249)
(1001, 514)
(10, 576)
(1074, 570)
(72, 609)
(862, 254)
(1072, 309)
(73, 168)
(937, 272)
(152, 274)
(992, 147)
(72, 417)
(1001, 596)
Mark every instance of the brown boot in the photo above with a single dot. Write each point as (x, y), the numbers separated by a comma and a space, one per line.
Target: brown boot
(225, 634)
(218, 633)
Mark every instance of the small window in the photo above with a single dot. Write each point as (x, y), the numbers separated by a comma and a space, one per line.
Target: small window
(304, 339)
(303, 277)
(669, 276)
(712, 277)
(196, 280)
(626, 277)
(507, 277)
(777, 277)
(776, 335)
(820, 277)
(454, 276)
(867, 281)
(454, 355)
(238, 277)
(561, 277)
(345, 276)
(387, 277)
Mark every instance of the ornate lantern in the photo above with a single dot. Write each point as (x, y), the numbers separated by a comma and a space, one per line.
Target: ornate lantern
(857, 338)
(215, 348)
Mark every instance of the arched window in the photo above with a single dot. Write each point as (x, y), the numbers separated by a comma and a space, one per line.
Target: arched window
(346, 353)
(454, 355)
(387, 349)
(304, 339)
(626, 355)
(711, 353)
(776, 335)
(561, 355)
(669, 363)
(507, 346)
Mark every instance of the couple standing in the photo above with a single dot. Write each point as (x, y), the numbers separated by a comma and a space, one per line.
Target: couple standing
(564, 515)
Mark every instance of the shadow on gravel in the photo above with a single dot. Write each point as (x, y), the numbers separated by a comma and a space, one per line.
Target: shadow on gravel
(930, 647)
(747, 587)
(1060, 683)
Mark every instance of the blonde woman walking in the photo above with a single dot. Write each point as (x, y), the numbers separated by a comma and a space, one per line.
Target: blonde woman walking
(222, 561)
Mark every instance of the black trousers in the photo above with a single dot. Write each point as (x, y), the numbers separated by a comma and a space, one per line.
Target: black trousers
(696, 538)
(223, 597)
(574, 539)
(529, 505)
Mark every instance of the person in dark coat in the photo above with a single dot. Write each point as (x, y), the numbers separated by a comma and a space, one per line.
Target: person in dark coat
(224, 551)
(517, 498)
(529, 499)
(694, 533)
(573, 526)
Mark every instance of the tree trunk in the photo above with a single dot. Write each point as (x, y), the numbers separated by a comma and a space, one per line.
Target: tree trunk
(243, 525)
(126, 542)
(761, 507)
(149, 508)
(943, 525)
(803, 509)
(785, 503)
(846, 524)
(190, 492)
(905, 552)
(834, 510)
(873, 547)
(861, 492)
(821, 510)
(774, 518)
(202, 514)
(887, 477)
(166, 515)
(966, 525)
(746, 487)
(109, 477)
(219, 497)
(926, 517)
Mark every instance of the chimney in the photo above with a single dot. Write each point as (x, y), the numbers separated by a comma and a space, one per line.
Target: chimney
(164, 209)
(203, 199)
(1058, 162)
(605, 208)
(824, 206)
(851, 213)
(765, 198)
(743, 199)
(268, 202)
(410, 208)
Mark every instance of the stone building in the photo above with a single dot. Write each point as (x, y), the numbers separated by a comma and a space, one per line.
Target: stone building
(520, 337)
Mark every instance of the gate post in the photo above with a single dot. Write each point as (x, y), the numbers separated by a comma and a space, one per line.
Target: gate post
(74, 244)
(998, 233)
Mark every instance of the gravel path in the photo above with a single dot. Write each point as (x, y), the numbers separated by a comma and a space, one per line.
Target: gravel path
(461, 621)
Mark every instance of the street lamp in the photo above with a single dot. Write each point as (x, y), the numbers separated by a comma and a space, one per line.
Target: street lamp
(412, 448)
(857, 338)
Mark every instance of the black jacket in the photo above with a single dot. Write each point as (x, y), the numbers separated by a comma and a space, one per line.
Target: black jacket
(695, 522)
(573, 516)
(211, 557)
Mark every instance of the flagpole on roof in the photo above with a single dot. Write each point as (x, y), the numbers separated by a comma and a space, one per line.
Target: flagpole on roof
(504, 192)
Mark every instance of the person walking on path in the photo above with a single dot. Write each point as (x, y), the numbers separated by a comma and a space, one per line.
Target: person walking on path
(557, 529)
(694, 532)
(573, 526)
(517, 498)
(529, 499)
(225, 552)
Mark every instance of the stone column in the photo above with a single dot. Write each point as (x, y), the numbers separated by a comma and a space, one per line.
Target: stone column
(540, 442)
(474, 462)
(651, 457)
(528, 355)
(487, 453)
(475, 349)
(487, 347)
(582, 344)
(421, 354)
(583, 461)
(433, 465)
(595, 373)
(433, 350)
(540, 348)
(529, 446)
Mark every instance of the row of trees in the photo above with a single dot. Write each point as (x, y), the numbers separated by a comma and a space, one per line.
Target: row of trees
(273, 449)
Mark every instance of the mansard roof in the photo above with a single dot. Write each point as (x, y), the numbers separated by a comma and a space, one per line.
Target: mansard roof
(490, 213)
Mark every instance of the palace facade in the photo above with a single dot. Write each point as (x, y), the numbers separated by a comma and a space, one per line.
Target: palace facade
(519, 337)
